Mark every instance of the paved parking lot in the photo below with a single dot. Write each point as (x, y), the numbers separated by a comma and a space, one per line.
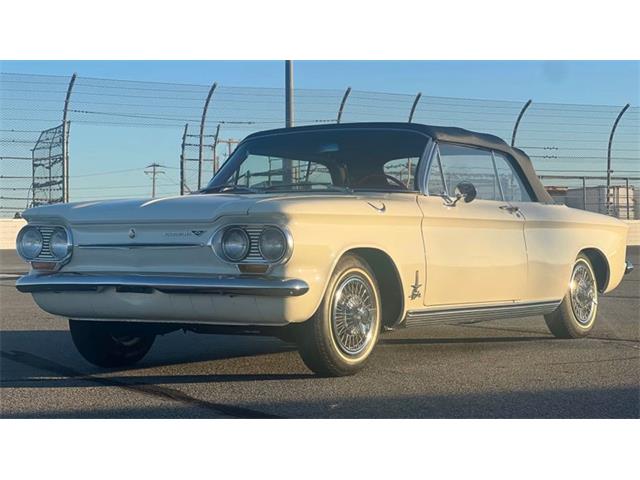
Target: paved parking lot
(506, 368)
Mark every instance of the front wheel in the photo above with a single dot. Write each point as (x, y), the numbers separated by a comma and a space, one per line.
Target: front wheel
(110, 344)
(576, 315)
(339, 338)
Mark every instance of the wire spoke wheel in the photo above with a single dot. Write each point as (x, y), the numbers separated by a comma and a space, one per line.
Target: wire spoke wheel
(353, 314)
(583, 293)
(339, 338)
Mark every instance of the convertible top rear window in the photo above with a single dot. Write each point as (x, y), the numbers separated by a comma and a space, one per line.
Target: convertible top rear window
(324, 159)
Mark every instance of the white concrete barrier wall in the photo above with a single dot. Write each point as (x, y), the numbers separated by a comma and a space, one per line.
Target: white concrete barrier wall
(634, 232)
(9, 229)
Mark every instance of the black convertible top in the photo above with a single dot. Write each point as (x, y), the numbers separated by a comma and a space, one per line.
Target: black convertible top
(444, 134)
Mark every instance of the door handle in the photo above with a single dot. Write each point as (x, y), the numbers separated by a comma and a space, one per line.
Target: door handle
(509, 208)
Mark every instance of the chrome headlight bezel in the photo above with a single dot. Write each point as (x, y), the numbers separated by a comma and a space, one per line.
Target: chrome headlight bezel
(46, 259)
(65, 247)
(20, 248)
(243, 236)
(254, 255)
(262, 248)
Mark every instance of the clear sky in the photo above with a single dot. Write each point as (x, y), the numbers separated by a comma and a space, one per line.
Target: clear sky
(100, 148)
(592, 82)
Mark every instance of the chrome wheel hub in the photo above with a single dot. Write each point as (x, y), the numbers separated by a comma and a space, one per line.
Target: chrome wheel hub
(353, 315)
(583, 294)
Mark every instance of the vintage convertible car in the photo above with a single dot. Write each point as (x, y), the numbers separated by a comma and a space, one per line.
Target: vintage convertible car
(326, 236)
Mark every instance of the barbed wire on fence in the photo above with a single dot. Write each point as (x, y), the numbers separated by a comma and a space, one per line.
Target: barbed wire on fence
(119, 123)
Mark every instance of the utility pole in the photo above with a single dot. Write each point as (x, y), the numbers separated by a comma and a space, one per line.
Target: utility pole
(288, 110)
(153, 173)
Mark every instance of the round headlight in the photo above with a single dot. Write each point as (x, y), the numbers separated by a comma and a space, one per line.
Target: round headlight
(29, 243)
(235, 244)
(273, 244)
(59, 243)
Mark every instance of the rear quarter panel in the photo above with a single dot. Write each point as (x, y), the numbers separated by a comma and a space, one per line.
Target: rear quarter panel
(556, 234)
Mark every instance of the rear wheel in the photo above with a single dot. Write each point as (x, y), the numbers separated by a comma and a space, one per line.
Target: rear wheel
(576, 315)
(110, 344)
(339, 338)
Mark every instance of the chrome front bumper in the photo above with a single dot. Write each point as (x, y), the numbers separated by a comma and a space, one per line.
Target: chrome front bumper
(222, 285)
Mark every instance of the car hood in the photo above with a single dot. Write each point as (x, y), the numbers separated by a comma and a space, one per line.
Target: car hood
(182, 209)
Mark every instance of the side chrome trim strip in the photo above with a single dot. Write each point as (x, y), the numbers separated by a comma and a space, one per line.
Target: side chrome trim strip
(221, 284)
(477, 314)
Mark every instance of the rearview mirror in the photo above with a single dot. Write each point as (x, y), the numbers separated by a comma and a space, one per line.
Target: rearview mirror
(466, 191)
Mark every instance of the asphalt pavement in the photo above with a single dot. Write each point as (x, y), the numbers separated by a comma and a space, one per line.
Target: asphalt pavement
(508, 368)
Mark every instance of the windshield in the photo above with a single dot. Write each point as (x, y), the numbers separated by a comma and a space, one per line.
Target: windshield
(323, 160)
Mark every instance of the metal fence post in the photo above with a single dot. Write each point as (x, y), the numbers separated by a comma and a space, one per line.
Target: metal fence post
(609, 171)
(342, 103)
(626, 183)
(414, 106)
(215, 147)
(515, 127)
(183, 158)
(584, 193)
(204, 118)
(65, 141)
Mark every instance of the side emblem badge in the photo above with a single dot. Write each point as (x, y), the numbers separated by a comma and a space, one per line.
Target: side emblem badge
(381, 208)
(197, 233)
(132, 233)
(415, 288)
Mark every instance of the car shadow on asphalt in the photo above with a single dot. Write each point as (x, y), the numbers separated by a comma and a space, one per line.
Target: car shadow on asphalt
(27, 353)
(47, 359)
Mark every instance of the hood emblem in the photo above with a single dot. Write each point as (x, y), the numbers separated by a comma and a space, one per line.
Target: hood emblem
(132, 233)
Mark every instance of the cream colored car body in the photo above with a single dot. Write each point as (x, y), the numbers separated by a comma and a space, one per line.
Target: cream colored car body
(473, 257)
(434, 260)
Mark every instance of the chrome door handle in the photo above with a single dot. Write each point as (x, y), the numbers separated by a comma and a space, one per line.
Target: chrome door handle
(509, 208)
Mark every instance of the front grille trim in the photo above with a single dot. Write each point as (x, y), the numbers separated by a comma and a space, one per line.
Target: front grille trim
(45, 253)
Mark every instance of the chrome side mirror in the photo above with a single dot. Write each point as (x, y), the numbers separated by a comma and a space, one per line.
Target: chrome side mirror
(464, 191)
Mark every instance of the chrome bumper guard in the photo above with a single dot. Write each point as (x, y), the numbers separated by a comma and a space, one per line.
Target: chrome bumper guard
(628, 267)
(223, 285)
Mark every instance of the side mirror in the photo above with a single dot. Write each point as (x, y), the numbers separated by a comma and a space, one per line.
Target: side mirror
(466, 191)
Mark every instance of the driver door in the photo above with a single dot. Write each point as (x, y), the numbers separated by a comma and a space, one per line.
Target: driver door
(475, 252)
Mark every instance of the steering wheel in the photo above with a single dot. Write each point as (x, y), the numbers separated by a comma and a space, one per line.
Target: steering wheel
(383, 175)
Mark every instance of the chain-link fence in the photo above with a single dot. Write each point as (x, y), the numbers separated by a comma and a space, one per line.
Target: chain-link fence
(116, 128)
